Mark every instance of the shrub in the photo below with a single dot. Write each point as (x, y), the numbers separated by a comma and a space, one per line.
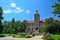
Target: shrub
(13, 35)
(22, 34)
(50, 39)
(47, 37)
(33, 34)
(28, 36)
(2, 35)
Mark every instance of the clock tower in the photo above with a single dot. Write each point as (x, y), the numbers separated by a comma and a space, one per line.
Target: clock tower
(37, 22)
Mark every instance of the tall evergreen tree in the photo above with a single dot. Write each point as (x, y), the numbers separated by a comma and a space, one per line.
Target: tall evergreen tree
(1, 13)
(13, 25)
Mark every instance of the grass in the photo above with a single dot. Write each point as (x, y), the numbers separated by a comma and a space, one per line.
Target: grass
(16, 36)
(52, 37)
(10, 34)
(55, 36)
(24, 36)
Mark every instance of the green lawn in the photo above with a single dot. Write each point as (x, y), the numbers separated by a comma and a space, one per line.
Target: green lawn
(10, 34)
(24, 36)
(55, 36)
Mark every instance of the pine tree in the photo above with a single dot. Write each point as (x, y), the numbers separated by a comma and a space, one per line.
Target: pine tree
(1, 13)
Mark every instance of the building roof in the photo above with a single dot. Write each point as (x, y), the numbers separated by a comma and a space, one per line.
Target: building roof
(42, 21)
(32, 22)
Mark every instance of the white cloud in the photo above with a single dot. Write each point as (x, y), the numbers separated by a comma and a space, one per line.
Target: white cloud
(7, 11)
(27, 11)
(18, 8)
(13, 11)
(18, 11)
(21, 10)
(13, 5)
(13, 8)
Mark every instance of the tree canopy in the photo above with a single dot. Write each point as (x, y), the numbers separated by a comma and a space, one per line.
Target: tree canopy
(56, 8)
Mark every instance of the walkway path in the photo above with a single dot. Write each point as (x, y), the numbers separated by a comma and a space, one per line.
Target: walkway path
(34, 38)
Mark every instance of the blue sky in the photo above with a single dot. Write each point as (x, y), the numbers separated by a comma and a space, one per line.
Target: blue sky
(25, 9)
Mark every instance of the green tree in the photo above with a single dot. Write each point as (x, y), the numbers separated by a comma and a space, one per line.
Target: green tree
(17, 26)
(13, 25)
(21, 26)
(24, 23)
(49, 20)
(56, 7)
(1, 13)
(5, 26)
(47, 24)
(54, 27)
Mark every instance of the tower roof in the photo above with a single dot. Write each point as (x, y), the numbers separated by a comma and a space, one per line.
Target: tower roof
(36, 11)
